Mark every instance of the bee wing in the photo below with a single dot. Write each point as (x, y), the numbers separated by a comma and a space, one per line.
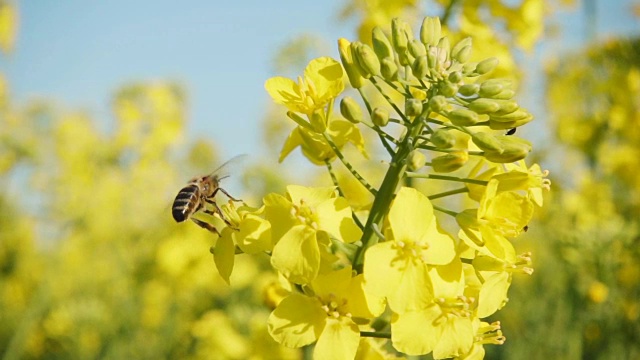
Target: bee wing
(224, 170)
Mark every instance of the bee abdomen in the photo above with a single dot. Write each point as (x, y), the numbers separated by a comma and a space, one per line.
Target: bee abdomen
(185, 203)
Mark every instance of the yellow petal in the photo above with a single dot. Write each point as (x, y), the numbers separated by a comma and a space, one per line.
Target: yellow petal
(339, 340)
(297, 255)
(326, 75)
(493, 294)
(362, 304)
(413, 333)
(335, 282)
(455, 339)
(405, 283)
(277, 211)
(254, 235)
(410, 215)
(335, 217)
(297, 321)
(283, 90)
(441, 246)
(448, 280)
(311, 197)
(224, 254)
(293, 141)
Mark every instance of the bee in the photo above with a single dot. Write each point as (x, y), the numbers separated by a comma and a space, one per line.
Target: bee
(201, 190)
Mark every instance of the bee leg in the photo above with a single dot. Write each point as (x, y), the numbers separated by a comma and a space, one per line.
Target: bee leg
(219, 212)
(207, 226)
(224, 192)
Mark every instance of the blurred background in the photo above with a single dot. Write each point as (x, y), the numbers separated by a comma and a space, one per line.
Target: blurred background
(108, 108)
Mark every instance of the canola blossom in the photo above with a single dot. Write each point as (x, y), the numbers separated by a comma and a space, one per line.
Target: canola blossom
(431, 256)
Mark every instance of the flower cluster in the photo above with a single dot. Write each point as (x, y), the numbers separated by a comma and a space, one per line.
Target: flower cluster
(436, 271)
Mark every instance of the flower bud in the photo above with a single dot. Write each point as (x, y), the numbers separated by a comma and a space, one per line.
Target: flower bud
(463, 117)
(416, 160)
(462, 50)
(443, 139)
(412, 107)
(367, 60)
(490, 88)
(514, 149)
(505, 94)
(430, 31)
(484, 106)
(455, 77)
(469, 69)
(355, 78)
(486, 66)
(420, 67)
(450, 162)
(389, 69)
(380, 117)
(506, 107)
(469, 89)
(438, 103)
(444, 45)
(487, 142)
(448, 89)
(350, 109)
(416, 48)
(517, 115)
(381, 44)
(398, 36)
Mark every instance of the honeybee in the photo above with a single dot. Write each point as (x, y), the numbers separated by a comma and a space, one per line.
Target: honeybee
(201, 190)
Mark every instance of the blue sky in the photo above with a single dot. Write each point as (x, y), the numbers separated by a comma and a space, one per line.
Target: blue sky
(79, 52)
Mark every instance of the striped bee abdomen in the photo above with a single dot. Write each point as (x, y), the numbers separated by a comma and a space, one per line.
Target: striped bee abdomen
(186, 203)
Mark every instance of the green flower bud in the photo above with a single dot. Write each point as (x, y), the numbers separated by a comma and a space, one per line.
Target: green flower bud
(420, 67)
(416, 160)
(438, 103)
(506, 94)
(350, 109)
(455, 77)
(463, 117)
(486, 66)
(469, 69)
(497, 125)
(444, 45)
(381, 44)
(514, 149)
(448, 89)
(490, 88)
(462, 50)
(416, 48)
(389, 69)
(367, 59)
(484, 106)
(517, 115)
(380, 117)
(469, 89)
(443, 139)
(353, 73)
(399, 36)
(487, 142)
(430, 31)
(412, 107)
(450, 162)
(506, 107)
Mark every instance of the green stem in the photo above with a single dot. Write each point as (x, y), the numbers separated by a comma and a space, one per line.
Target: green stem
(443, 210)
(335, 182)
(374, 334)
(448, 193)
(446, 177)
(348, 165)
(387, 191)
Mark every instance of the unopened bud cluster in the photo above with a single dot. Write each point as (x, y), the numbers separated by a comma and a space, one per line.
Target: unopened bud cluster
(442, 88)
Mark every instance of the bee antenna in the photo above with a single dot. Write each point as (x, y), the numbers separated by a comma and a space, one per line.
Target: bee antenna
(223, 177)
